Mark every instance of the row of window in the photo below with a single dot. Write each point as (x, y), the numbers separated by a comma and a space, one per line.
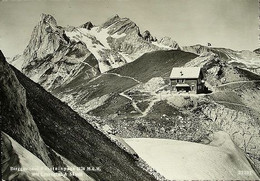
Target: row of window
(180, 80)
(183, 81)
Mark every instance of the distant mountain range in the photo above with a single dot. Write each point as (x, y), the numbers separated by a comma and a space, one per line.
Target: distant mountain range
(56, 54)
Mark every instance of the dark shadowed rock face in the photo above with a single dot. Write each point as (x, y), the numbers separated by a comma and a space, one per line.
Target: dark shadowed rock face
(147, 36)
(257, 50)
(16, 119)
(87, 25)
(17, 123)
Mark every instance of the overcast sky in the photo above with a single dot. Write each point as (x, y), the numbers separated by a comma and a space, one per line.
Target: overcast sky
(223, 23)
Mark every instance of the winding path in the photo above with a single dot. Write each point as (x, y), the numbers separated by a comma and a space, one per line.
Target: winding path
(151, 104)
(133, 102)
(110, 73)
(237, 82)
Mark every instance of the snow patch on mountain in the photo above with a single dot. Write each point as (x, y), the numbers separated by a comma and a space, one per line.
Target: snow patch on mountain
(180, 160)
(88, 39)
(116, 35)
(126, 57)
(100, 34)
(162, 46)
(96, 41)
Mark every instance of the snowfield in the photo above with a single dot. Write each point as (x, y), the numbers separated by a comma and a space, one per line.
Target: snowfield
(162, 46)
(96, 41)
(180, 160)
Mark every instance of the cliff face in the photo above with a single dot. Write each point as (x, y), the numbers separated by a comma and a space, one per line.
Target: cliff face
(197, 49)
(18, 124)
(16, 119)
(46, 38)
(117, 25)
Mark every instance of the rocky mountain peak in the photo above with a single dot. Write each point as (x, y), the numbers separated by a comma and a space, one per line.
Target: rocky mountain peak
(167, 41)
(197, 49)
(120, 25)
(147, 36)
(46, 38)
(257, 51)
(111, 20)
(47, 18)
(88, 25)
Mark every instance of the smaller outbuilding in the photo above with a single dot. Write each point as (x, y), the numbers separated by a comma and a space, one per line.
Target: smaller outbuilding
(187, 79)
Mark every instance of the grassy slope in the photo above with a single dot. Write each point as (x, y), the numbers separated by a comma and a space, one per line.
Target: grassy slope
(71, 136)
(232, 92)
(248, 74)
(155, 64)
(84, 75)
(114, 105)
(102, 85)
(239, 97)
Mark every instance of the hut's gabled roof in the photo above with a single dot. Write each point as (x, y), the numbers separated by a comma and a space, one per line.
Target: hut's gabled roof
(185, 73)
